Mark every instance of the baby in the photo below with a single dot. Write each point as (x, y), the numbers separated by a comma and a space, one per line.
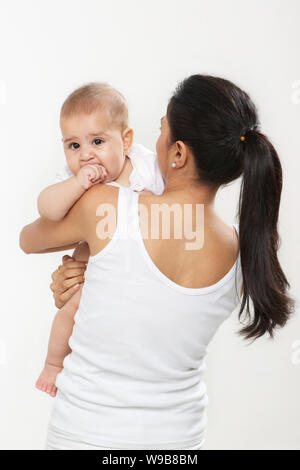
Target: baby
(99, 148)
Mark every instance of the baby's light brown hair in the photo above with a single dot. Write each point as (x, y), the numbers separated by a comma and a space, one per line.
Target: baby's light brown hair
(97, 96)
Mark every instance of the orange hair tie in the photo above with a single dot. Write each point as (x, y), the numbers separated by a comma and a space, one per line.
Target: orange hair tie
(242, 138)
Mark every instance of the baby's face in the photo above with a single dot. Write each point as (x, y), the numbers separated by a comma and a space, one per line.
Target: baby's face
(89, 139)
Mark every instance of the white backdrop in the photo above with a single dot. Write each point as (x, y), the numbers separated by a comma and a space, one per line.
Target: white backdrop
(144, 49)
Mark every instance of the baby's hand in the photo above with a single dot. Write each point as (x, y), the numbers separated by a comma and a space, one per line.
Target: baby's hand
(89, 175)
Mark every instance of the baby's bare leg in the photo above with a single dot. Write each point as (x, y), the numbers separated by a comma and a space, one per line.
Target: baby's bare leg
(62, 327)
(58, 347)
(81, 252)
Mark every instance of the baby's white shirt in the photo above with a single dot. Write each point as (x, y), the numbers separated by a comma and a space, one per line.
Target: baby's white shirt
(145, 175)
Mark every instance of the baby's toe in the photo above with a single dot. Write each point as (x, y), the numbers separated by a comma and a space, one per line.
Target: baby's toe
(38, 384)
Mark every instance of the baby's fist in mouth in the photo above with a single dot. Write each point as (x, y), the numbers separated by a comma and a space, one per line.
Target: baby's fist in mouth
(91, 174)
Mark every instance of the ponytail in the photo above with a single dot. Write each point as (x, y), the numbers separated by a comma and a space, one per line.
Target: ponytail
(218, 121)
(263, 279)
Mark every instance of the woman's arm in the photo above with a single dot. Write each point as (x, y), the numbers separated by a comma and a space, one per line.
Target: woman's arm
(58, 248)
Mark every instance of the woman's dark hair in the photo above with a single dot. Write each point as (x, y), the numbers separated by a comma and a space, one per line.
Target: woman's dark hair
(210, 115)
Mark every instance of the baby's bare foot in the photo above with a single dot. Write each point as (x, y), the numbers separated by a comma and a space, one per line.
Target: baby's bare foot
(46, 380)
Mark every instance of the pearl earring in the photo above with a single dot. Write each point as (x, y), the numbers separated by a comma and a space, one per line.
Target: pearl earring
(173, 165)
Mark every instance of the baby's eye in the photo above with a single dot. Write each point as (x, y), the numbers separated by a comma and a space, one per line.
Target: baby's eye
(97, 141)
(74, 146)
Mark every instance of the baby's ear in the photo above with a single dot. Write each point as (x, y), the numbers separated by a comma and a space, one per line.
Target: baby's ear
(127, 139)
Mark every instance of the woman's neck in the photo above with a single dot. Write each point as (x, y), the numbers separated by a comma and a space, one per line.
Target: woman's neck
(190, 193)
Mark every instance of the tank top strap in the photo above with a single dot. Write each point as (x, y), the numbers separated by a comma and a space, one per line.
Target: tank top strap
(237, 227)
(127, 216)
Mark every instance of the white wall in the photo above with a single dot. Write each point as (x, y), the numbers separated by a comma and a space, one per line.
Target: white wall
(144, 49)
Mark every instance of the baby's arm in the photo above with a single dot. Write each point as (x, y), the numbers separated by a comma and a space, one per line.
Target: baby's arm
(55, 201)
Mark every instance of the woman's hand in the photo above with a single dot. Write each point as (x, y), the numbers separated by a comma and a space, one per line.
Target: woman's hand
(67, 279)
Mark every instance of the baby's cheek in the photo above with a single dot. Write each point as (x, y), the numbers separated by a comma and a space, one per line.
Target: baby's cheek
(115, 167)
(73, 165)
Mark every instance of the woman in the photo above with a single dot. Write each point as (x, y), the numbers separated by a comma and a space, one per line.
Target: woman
(150, 306)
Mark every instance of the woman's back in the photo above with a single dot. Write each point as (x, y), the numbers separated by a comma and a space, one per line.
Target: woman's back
(134, 377)
(180, 259)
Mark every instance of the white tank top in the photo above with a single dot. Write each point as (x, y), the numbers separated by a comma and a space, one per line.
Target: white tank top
(134, 379)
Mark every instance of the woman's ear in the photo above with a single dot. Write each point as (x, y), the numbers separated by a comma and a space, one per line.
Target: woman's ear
(180, 154)
(127, 139)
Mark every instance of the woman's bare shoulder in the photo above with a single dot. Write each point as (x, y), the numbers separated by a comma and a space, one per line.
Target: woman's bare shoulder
(99, 194)
(223, 241)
